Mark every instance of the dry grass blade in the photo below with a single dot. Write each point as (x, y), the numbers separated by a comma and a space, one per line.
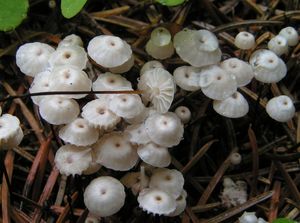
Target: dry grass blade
(59, 209)
(255, 159)
(19, 216)
(274, 202)
(254, 96)
(206, 207)
(110, 12)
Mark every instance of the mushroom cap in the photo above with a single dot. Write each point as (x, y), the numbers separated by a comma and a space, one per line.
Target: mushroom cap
(93, 168)
(244, 40)
(281, 108)
(198, 48)
(290, 34)
(216, 83)
(97, 113)
(69, 78)
(40, 83)
(235, 158)
(58, 110)
(278, 45)
(109, 51)
(180, 204)
(79, 133)
(156, 201)
(160, 36)
(126, 66)
(158, 86)
(267, 66)
(240, 69)
(32, 58)
(159, 52)
(235, 106)
(114, 151)
(248, 217)
(69, 55)
(170, 180)
(142, 116)
(71, 40)
(104, 196)
(126, 105)
(154, 155)
(137, 134)
(183, 113)
(71, 159)
(164, 129)
(150, 65)
(132, 180)
(11, 133)
(187, 77)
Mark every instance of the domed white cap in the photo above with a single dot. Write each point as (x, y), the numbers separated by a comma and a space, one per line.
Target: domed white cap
(79, 133)
(32, 58)
(187, 78)
(164, 129)
(281, 108)
(216, 83)
(156, 201)
(244, 40)
(71, 160)
(11, 133)
(248, 217)
(241, 70)
(71, 40)
(198, 48)
(104, 196)
(278, 45)
(109, 51)
(235, 106)
(150, 65)
(158, 86)
(115, 152)
(96, 112)
(59, 110)
(170, 180)
(126, 66)
(69, 78)
(69, 55)
(137, 134)
(154, 155)
(180, 204)
(267, 66)
(40, 83)
(290, 34)
(183, 113)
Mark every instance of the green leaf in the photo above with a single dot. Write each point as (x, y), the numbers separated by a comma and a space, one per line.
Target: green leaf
(283, 220)
(170, 2)
(70, 8)
(12, 13)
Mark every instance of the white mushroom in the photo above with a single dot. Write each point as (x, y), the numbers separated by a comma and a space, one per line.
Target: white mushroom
(11, 133)
(187, 78)
(150, 65)
(290, 34)
(137, 134)
(183, 113)
(126, 66)
(40, 83)
(235, 158)
(71, 40)
(278, 45)
(248, 217)
(244, 40)
(104, 196)
(281, 108)
(180, 204)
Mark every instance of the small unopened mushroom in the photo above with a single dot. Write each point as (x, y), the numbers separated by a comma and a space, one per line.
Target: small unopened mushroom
(281, 108)
(104, 196)
(235, 106)
(290, 34)
(109, 51)
(244, 40)
(59, 110)
(183, 113)
(278, 45)
(150, 65)
(235, 158)
(170, 180)
(216, 83)
(156, 201)
(136, 181)
(69, 78)
(79, 133)
(126, 66)
(114, 151)
(97, 113)
(198, 48)
(267, 66)
(71, 40)
(32, 58)
(69, 55)
(137, 134)
(158, 87)
(240, 69)
(248, 217)
(180, 204)
(154, 155)
(40, 83)
(70, 159)
(11, 133)
(164, 129)
(187, 78)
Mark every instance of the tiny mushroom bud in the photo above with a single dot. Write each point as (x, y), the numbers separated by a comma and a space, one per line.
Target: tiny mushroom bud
(11, 133)
(150, 65)
(71, 40)
(183, 113)
(248, 217)
(32, 58)
(187, 78)
(235, 158)
(244, 40)
(290, 34)
(278, 45)
(104, 196)
(235, 106)
(281, 108)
